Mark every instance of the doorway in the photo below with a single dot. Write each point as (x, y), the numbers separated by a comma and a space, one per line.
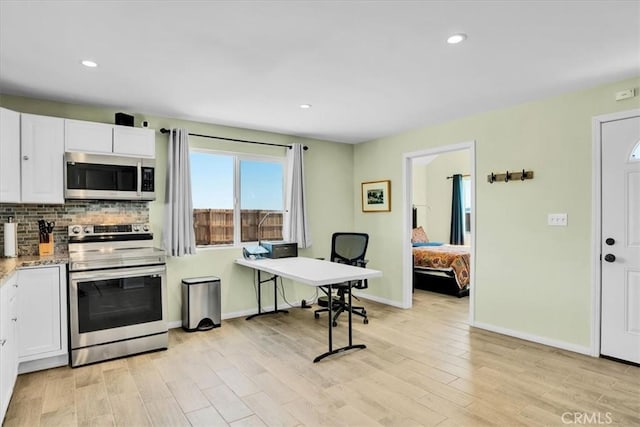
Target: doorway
(616, 236)
(407, 218)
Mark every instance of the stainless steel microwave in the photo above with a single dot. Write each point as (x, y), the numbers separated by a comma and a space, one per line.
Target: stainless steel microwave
(107, 177)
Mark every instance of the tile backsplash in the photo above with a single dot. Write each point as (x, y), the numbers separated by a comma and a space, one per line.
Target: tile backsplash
(74, 212)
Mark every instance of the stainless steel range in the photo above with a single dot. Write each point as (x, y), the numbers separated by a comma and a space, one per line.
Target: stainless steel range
(117, 292)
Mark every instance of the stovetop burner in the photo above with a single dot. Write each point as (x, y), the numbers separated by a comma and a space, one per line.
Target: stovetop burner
(93, 247)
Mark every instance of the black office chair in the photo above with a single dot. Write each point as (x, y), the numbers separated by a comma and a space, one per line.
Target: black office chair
(346, 248)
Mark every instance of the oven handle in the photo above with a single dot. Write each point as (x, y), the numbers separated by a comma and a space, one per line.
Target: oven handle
(117, 273)
(139, 184)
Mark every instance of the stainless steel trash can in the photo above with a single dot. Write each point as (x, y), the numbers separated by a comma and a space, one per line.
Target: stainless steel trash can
(200, 303)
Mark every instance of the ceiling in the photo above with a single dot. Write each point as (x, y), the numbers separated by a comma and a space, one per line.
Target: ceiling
(369, 69)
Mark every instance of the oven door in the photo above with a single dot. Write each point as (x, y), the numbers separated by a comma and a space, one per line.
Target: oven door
(117, 304)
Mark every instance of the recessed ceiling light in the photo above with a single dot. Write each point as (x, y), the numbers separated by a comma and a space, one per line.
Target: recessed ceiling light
(88, 63)
(456, 38)
(305, 106)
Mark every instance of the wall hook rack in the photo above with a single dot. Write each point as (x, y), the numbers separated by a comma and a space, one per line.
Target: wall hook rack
(509, 176)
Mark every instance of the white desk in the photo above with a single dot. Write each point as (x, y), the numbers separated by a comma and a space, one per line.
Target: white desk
(313, 272)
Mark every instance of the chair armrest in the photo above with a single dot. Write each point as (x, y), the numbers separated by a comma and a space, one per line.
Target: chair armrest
(362, 263)
(362, 284)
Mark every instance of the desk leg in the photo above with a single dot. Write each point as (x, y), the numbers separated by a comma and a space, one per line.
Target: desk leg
(341, 349)
(273, 279)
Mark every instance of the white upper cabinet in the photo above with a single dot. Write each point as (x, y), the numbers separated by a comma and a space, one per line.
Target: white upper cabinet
(134, 141)
(9, 156)
(89, 137)
(42, 162)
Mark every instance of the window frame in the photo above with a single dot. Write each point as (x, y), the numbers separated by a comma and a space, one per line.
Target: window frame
(239, 156)
(466, 194)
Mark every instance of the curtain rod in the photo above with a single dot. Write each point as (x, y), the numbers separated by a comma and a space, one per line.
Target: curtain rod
(165, 130)
(464, 176)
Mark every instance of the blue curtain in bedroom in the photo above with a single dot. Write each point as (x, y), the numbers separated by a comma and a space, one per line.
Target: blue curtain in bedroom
(457, 212)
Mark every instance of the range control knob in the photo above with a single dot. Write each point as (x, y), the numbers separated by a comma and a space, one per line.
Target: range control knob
(136, 228)
(76, 229)
(87, 230)
(145, 228)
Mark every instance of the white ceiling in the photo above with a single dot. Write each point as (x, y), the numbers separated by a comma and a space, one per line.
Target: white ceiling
(370, 68)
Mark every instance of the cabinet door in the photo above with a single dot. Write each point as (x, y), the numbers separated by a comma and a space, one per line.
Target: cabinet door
(131, 141)
(42, 143)
(39, 306)
(9, 156)
(88, 137)
(8, 343)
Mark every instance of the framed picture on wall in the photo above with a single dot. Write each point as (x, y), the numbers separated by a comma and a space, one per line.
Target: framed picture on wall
(376, 196)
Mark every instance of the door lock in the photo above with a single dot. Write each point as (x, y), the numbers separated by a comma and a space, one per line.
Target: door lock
(610, 241)
(610, 257)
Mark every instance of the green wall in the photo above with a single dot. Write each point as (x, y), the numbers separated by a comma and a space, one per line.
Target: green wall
(328, 170)
(530, 278)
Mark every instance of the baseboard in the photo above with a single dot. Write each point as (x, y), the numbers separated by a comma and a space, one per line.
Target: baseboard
(379, 299)
(296, 304)
(174, 324)
(534, 338)
(40, 364)
(242, 313)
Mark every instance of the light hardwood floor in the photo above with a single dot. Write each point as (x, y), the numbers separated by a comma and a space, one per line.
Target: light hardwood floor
(423, 366)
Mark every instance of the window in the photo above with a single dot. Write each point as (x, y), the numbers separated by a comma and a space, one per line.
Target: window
(235, 193)
(466, 200)
(635, 154)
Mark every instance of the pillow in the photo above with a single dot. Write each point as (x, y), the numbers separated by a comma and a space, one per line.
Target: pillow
(418, 235)
(418, 244)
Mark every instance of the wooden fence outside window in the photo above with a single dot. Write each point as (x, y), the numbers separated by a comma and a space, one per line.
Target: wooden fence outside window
(215, 226)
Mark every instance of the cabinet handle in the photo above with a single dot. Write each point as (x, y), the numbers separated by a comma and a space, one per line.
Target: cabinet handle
(2, 342)
(25, 157)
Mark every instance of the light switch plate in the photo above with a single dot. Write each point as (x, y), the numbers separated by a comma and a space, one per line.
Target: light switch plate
(557, 219)
(624, 94)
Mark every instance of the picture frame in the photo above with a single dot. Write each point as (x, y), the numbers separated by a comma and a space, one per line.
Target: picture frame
(376, 196)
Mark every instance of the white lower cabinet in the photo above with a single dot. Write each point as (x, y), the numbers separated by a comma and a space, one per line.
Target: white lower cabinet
(42, 314)
(8, 342)
(33, 325)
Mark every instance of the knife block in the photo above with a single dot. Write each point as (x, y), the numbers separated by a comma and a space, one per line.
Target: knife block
(45, 249)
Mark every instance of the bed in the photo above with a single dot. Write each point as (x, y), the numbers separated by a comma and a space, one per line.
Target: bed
(440, 268)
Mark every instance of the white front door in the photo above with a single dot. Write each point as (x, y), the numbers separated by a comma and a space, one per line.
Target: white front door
(620, 240)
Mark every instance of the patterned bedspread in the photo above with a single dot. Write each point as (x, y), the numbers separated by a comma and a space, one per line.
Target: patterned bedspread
(446, 258)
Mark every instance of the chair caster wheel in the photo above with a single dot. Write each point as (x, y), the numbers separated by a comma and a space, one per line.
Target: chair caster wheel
(365, 321)
(335, 324)
(364, 312)
(316, 315)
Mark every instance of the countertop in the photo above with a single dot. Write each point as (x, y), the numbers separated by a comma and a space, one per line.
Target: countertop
(9, 265)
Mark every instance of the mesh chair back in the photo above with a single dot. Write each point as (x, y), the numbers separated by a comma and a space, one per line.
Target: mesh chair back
(349, 248)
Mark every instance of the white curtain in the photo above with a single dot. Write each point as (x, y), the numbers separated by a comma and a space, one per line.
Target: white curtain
(179, 237)
(295, 226)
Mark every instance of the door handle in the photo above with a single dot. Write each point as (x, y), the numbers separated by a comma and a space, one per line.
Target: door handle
(610, 257)
(610, 241)
(139, 180)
